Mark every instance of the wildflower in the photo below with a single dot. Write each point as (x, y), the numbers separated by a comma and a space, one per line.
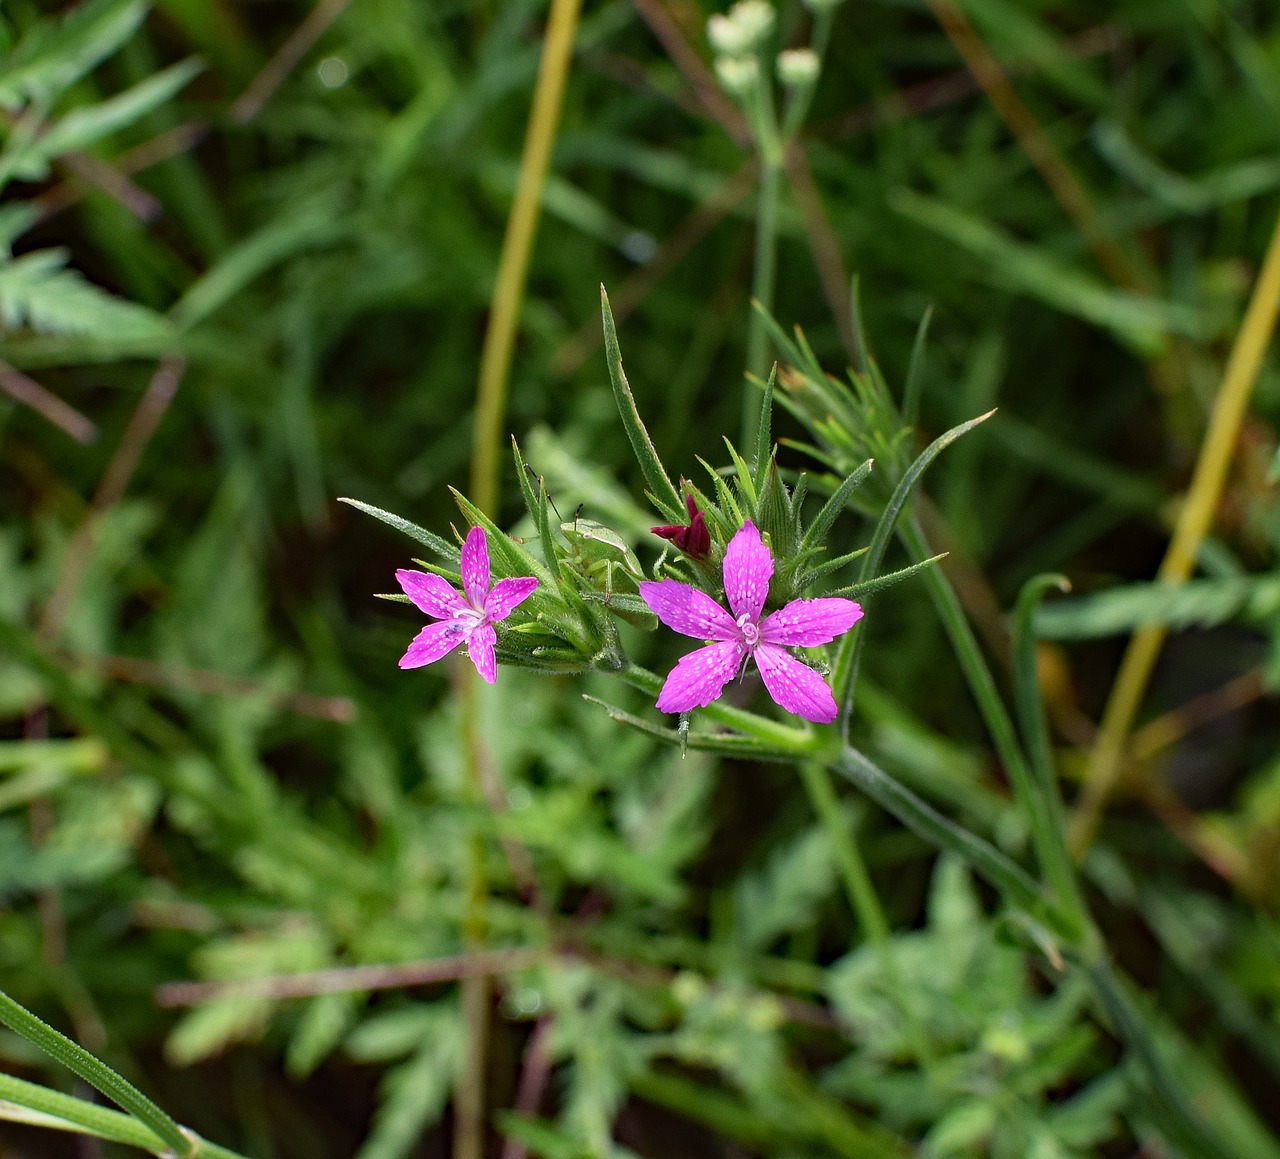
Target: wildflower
(465, 617)
(694, 540)
(700, 677)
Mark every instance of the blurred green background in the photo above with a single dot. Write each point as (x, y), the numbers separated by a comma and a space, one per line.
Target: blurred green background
(211, 767)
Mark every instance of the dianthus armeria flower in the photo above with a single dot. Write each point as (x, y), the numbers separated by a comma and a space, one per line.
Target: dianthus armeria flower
(465, 617)
(700, 677)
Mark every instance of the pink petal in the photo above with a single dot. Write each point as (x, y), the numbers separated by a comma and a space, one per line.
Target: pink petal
(808, 623)
(433, 642)
(748, 567)
(687, 610)
(795, 686)
(475, 567)
(480, 649)
(506, 594)
(431, 593)
(700, 677)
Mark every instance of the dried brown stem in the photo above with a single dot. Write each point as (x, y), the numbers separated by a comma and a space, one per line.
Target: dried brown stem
(272, 75)
(27, 391)
(718, 106)
(823, 245)
(535, 1071)
(353, 979)
(135, 670)
(120, 468)
(101, 175)
(1032, 139)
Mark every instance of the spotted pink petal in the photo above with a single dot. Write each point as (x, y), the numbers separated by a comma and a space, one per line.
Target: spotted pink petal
(687, 610)
(795, 686)
(700, 677)
(506, 595)
(808, 623)
(434, 642)
(748, 567)
(475, 567)
(480, 648)
(430, 593)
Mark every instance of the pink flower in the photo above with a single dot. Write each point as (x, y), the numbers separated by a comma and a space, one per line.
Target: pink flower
(700, 677)
(465, 617)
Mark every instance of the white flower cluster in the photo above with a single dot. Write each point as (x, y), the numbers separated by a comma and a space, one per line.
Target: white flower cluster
(735, 36)
(744, 28)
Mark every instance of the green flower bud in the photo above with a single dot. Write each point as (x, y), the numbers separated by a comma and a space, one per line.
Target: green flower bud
(798, 67)
(737, 75)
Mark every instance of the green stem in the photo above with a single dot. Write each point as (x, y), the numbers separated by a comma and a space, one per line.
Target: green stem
(924, 820)
(1046, 828)
(763, 278)
(796, 742)
(862, 895)
(60, 1112)
(97, 1074)
(853, 869)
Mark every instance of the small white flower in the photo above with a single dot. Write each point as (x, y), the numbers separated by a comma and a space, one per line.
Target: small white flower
(738, 75)
(754, 17)
(726, 37)
(798, 67)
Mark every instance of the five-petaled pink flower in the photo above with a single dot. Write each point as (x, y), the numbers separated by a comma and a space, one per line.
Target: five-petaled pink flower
(700, 677)
(465, 617)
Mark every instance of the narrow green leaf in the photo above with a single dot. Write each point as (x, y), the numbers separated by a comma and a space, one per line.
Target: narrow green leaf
(942, 833)
(742, 473)
(914, 384)
(664, 495)
(509, 557)
(52, 56)
(96, 1073)
(427, 538)
(764, 430)
(845, 670)
(887, 580)
(537, 507)
(84, 126)
(727, 743)
(827, 516)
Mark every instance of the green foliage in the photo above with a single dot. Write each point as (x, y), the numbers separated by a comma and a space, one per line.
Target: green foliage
(211, 769)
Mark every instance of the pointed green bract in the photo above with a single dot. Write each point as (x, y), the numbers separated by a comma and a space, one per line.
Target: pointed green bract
(818, 529)
(914, 382)
(427, 538)
(844, 672)
(537, 507)
(764, 433)
(655, 474)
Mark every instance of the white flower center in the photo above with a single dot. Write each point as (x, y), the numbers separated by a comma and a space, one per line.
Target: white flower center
(749, 628)
(467, 620)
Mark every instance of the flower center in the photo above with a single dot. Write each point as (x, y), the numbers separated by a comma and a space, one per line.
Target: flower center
(749, 628)
(467, 620)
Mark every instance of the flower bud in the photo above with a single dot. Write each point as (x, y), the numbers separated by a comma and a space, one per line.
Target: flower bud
(798, 67)
(737, 75)
(726, 37)
(754, 17)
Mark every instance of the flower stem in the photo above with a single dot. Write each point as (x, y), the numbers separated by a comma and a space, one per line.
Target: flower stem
(763, 279)
(97, 1074)
(1046, 830)
(861, 892)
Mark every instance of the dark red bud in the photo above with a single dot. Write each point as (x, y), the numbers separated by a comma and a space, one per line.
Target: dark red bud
(694, 540)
